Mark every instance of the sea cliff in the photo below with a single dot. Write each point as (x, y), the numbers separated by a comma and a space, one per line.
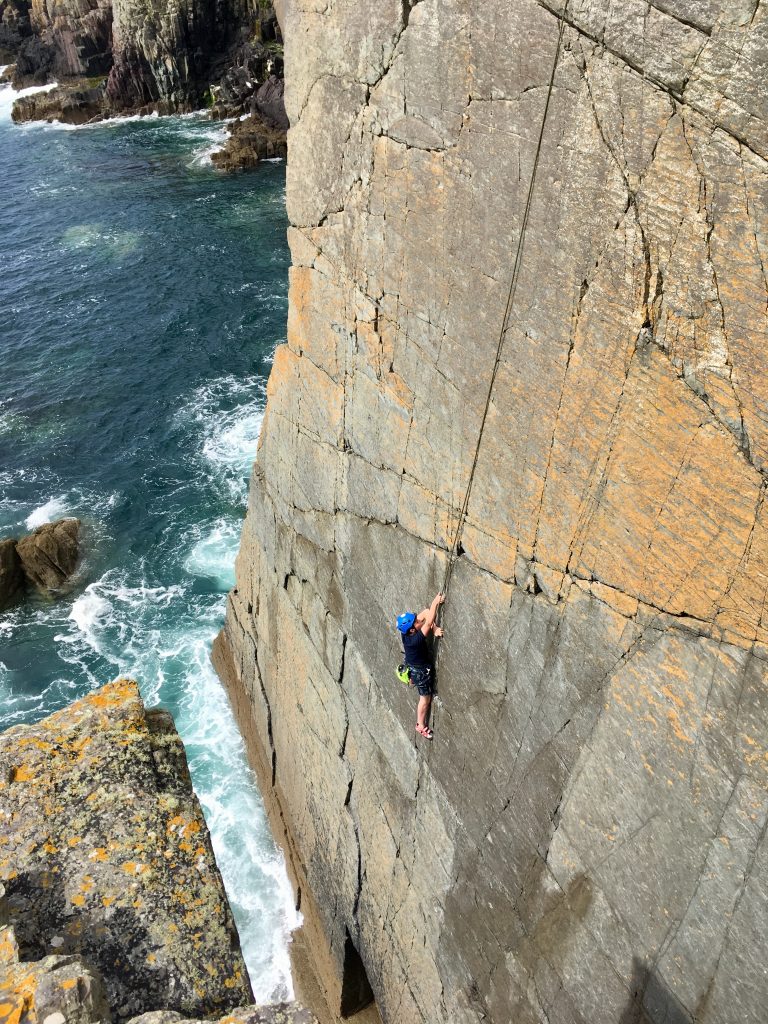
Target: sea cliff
(113, 57)
(584, 841)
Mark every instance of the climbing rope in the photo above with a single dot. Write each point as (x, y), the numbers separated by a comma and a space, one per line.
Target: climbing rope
(453, 554)
(454, 549)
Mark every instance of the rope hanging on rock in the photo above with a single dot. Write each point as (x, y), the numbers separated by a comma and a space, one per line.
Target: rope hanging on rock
(453, 555)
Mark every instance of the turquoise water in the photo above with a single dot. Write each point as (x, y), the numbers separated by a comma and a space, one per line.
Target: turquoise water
(141, 298)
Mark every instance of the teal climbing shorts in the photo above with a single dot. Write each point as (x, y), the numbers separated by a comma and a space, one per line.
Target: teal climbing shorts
(422, 680)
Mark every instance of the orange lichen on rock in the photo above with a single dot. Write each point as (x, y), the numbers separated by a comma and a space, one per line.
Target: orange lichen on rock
(99, 779)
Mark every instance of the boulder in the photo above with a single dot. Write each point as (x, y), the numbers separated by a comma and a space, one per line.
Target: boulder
(55, 990)
(11, 575)
(49, 555)
(249, 142)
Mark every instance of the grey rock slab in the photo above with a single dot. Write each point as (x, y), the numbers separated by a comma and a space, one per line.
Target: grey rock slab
(49, 555)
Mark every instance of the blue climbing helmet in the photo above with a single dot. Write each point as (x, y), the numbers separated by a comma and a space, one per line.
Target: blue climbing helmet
(405, 621)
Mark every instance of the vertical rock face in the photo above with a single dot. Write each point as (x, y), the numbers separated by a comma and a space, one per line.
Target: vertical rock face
(585, 841)
(153, 54)
(57, 38)
(14, 27)
(164, 52)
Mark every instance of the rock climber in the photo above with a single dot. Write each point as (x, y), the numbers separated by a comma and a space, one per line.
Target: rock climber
(415, 629)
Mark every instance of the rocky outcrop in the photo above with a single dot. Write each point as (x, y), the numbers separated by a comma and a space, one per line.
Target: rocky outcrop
(249, 142)
(259, 136)
(269, 103)
(165, 58)
(252, 86)
(74, 104)
(105, 856)
(44, 560)
(11, 575)
(282, 1013)
(113, 904)
(49, 555)
(585, 840)
(56, 989)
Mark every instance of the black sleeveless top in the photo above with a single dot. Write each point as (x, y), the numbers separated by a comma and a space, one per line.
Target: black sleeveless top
(416, 649)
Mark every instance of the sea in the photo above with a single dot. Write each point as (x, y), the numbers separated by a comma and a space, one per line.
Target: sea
(142, 294)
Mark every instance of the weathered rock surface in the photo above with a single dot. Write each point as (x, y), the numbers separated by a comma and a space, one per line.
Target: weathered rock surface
(252, 84)
(249, 142)
(585, 841)
(105, 856)
(49, 555)
(56, 989)
(14, 28)
(269, 103)
(59, 39)
(74, 104)
(123, 56)
(11, 575)
(164, 56)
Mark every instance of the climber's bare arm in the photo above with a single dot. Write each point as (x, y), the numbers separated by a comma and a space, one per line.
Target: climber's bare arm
(425, 620)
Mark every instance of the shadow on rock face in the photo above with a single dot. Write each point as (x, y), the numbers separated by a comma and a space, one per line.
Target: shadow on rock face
(652, 1001)
(23, 906)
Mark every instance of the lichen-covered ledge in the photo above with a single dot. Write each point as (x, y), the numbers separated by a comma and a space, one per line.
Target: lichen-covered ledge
(114, 905)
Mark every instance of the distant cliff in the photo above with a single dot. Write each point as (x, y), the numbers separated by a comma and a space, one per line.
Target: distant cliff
(585, 840)
(120, 56)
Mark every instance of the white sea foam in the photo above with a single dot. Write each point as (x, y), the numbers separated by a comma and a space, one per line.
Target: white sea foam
(253, 870)
(83, 503)
(54, 508)
(213, 554)
(232, 443)
(210, 138)
(204, 157)
(227, 414)
(91, 612)
(119, 621)
(108, 122)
